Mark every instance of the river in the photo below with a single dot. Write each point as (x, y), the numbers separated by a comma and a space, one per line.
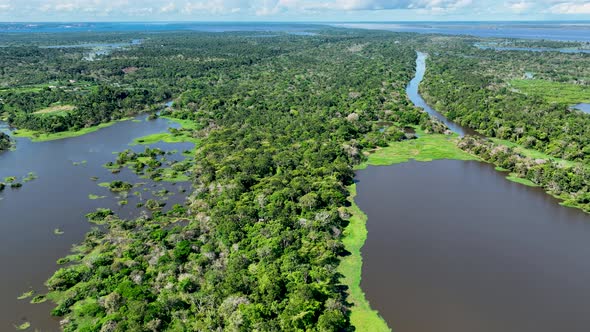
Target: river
(416, 98)
(454, 246)
(58, 198)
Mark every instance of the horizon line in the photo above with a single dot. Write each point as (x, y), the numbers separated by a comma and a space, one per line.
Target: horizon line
(305, 21)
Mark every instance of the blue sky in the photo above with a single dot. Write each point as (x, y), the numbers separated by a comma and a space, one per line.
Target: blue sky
(292, 10)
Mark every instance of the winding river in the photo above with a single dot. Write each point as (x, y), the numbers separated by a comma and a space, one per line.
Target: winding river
(454, 246)
(414, 95)
(58, 199)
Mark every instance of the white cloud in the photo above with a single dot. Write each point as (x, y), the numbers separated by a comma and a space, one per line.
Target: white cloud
(571, 8)
(520, 6)
(243, 9)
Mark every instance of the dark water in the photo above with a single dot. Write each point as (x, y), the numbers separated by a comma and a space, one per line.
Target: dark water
(565, 31)
(453, 246)
(583, 107)
(412, 91)
(59, 199)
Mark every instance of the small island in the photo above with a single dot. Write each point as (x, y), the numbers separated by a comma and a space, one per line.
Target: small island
(5, 142)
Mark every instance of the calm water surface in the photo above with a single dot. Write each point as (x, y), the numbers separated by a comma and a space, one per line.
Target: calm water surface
(59, 199)
(453, 246)
(583, 107)
(412, 91)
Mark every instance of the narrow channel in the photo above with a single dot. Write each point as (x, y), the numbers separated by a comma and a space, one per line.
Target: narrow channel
(413, 93)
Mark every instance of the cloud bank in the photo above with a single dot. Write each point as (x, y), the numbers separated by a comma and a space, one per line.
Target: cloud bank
(79, 10)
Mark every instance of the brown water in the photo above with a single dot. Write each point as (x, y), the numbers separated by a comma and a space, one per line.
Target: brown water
(59, 199)
(455, 247)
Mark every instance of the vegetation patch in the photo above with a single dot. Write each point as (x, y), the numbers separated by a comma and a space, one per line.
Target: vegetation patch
(26, 295)
(362, 317)
(427, 147)
(554, 92)
(38, 299)
(56, 110)
(183, 135)
(38, 136)
(23, 326)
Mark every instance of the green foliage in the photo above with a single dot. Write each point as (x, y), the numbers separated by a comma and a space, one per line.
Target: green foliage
(566, 182)
(280, 123)
(5, 141)
(478, 90)
(554, 92)
(99, 215)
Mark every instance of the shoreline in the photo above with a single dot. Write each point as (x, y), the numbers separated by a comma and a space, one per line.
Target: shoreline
(37, 136)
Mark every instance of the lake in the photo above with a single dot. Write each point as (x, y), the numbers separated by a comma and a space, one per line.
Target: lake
(454, 246)
(59, 199)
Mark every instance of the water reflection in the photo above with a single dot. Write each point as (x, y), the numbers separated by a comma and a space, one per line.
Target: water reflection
(59, 199)
(453, 246)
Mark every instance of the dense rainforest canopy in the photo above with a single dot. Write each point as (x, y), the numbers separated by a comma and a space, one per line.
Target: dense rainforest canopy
(280, 120)
(523, 97)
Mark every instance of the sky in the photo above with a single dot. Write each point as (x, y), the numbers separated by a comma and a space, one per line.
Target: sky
(291, 10)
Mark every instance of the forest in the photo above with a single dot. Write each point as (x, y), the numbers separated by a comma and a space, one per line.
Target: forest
(474, 88)
(281, 122)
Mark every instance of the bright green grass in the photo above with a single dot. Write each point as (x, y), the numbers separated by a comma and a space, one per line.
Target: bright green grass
(169, 137)
(362, 317)
(186, 124)
(512, 177)
(555, 92)
(37, 136)
(425, 148)
(22, 326)
(26, 295)
(163, 137)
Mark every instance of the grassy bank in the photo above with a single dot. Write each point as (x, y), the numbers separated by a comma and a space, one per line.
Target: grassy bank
(37, 136)
(426, 148)
(362, 316)
(168, 137)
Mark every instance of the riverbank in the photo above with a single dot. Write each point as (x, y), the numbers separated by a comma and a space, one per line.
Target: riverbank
(170, 137)
(362, 317)
(37, 136)
(427, 147)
